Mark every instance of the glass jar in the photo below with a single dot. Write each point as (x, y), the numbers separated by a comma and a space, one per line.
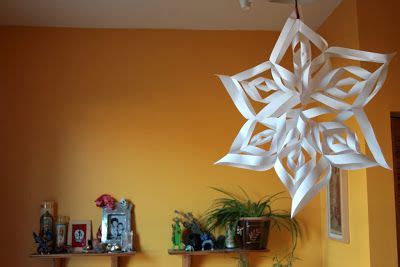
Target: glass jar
(61, 228)
(47, 222)
(230, 236)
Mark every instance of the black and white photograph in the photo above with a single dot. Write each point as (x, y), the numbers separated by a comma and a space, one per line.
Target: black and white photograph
(116, 226)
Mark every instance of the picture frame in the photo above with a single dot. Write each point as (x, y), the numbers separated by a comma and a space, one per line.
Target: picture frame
(79, 234)
(116, 223)
(337, 206)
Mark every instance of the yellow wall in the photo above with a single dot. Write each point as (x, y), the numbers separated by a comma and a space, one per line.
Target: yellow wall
(380, 32)
(138, 114)
(341, 29)
(371, 26)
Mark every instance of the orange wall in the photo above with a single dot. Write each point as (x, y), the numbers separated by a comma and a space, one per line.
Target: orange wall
(341, 29)
(138, 114)
(371, 26)
(380, 31)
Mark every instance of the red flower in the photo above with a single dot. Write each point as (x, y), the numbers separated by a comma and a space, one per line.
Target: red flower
(105, 201)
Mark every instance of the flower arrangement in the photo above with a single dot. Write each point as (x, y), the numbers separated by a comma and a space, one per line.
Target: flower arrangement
(105, 200)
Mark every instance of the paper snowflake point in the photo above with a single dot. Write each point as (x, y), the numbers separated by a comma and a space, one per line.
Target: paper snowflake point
(296, 139)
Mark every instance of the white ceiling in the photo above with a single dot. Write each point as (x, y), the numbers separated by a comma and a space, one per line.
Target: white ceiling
(158, 14)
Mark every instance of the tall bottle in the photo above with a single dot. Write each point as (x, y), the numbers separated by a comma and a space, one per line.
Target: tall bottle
(61, 228)
(47, 222)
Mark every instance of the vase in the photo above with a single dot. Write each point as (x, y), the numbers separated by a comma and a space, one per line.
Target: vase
(230, 236)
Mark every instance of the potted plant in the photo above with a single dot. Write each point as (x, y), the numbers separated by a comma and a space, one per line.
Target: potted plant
(250, 219)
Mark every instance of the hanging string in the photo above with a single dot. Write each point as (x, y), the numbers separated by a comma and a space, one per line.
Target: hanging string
(297, 9)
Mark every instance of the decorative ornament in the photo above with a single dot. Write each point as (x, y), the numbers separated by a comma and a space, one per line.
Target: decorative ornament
(206, 242)
(124, 203)
(115, 248)
(291, 133)
(176, 234)
(42, 248)
(189, 248)
(105, 200)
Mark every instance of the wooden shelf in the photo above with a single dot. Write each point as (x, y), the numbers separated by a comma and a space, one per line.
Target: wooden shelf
(59, 259)
(215, 251)
(187, 255)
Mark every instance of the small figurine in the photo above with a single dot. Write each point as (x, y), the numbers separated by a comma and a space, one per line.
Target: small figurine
(189, 248)
(176, 235)
(86, 249)
(206, 240)
(42, 244)
(105, 201)
(115, 248)
(124, 203)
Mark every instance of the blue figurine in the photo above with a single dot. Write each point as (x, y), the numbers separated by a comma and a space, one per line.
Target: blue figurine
(206, 240)
(42, 244)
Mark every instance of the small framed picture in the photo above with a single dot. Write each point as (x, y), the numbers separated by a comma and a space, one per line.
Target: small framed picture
(116, 223)
(79, 234)
(337, 206)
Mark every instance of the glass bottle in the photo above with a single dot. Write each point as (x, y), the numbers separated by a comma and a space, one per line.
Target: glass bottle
(46, 222)
(230, 236)
(61, 228)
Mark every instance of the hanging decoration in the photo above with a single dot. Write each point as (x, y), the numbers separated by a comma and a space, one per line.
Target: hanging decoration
(300, 130)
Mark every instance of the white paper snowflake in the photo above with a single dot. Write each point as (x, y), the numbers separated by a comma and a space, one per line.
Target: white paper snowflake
(297, 139)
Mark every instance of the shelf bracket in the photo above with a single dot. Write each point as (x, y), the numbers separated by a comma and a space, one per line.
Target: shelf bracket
(186, 261)
(58, 262)
(114, 261)
(243, 260)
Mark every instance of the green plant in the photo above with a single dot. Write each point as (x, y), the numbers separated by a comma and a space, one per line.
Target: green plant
(229, 209)
(286, 260)
(282, 220)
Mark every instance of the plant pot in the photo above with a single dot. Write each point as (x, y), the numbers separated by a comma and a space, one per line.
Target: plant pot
(252, 232)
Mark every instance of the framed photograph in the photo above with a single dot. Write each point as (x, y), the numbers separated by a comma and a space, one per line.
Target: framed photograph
(116, 223)
(79, 234)
(337, 206)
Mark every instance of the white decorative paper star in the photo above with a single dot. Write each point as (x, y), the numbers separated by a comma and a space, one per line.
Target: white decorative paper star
(296, 138)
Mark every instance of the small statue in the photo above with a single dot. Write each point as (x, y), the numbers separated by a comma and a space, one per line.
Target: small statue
(115, 248)
(206, 240)
(176, 235)
(86, 249)
(124, 203)
(42, 244)
(189, 248)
